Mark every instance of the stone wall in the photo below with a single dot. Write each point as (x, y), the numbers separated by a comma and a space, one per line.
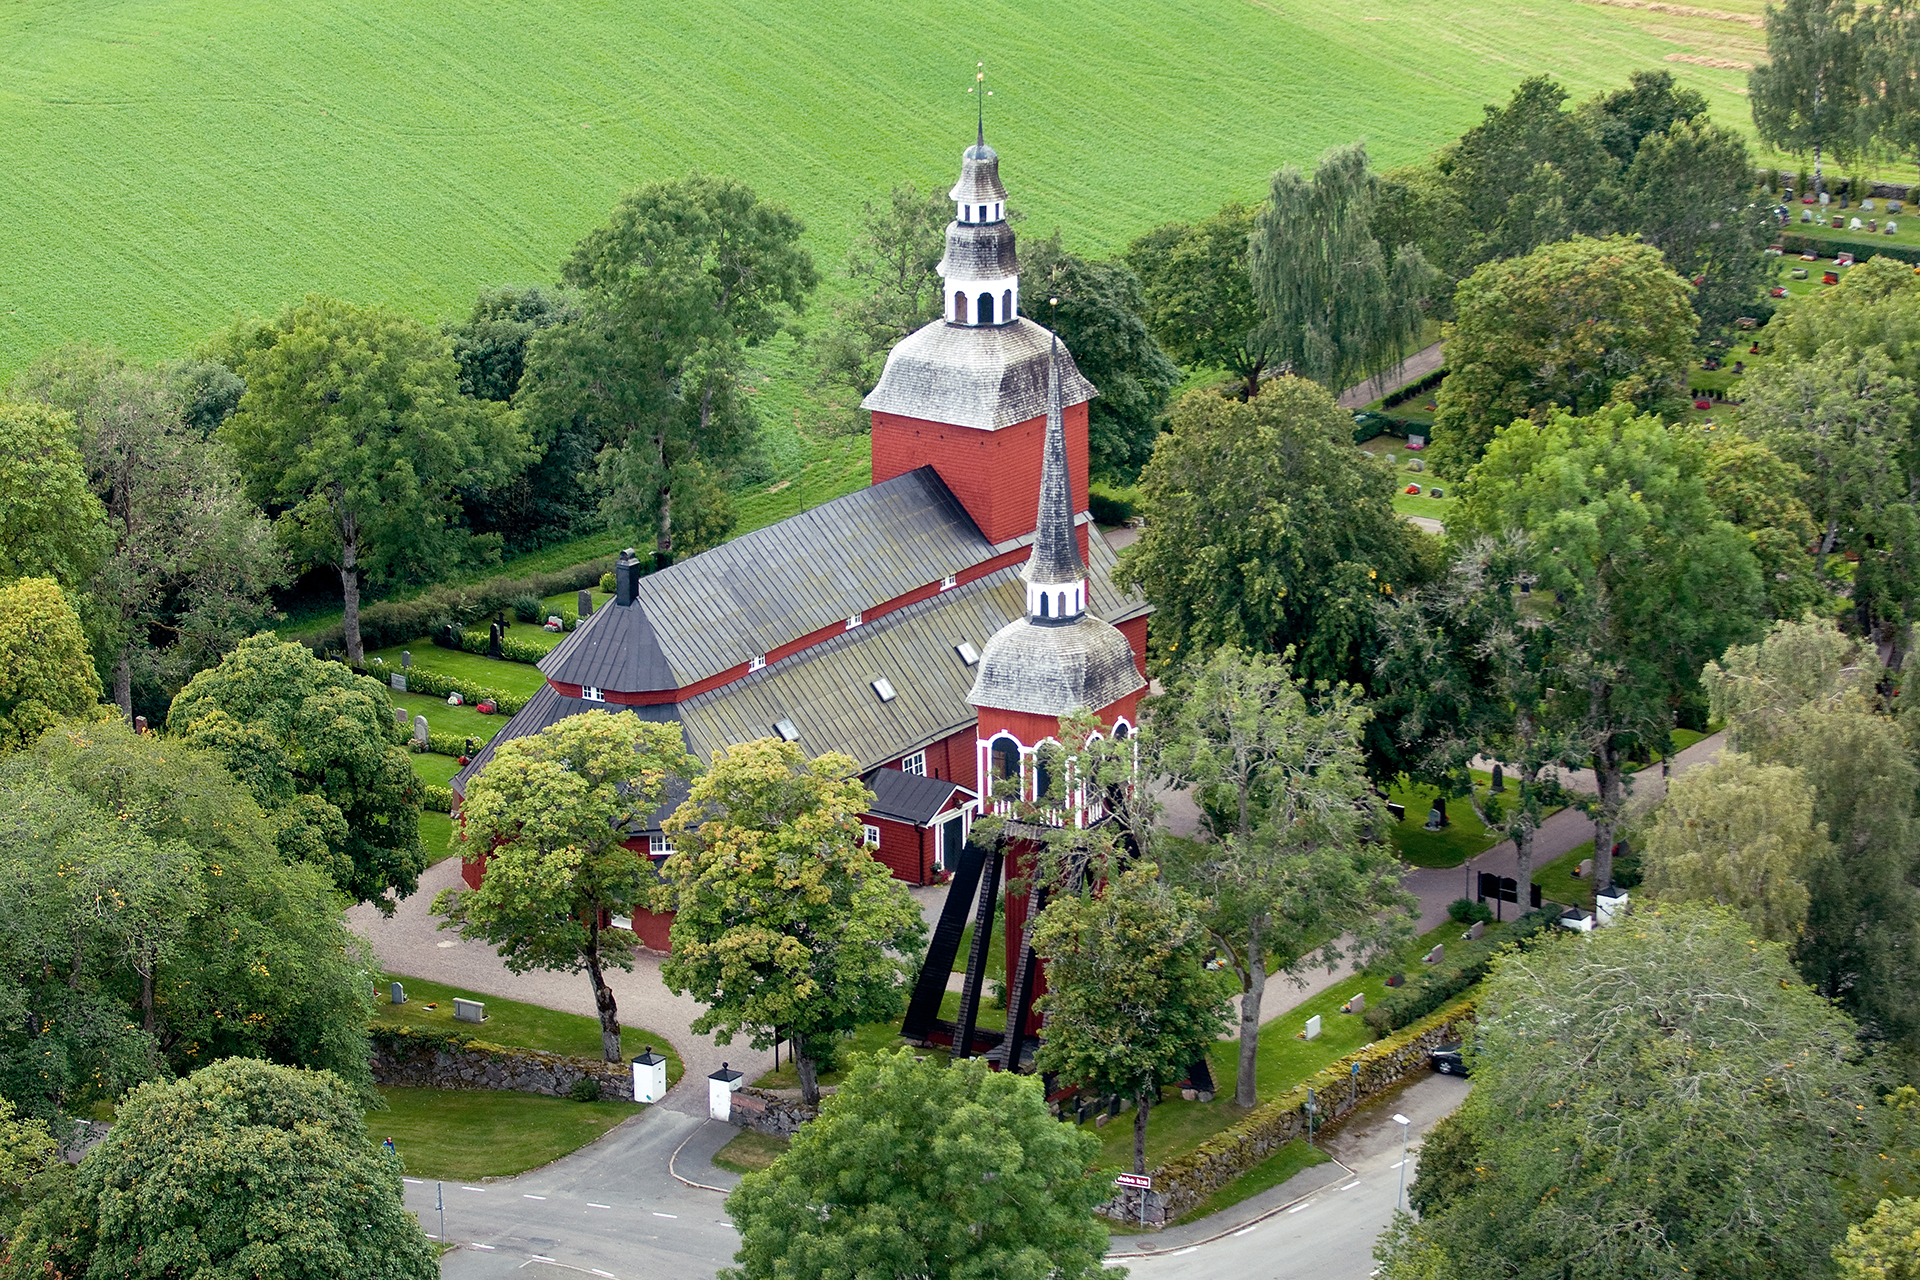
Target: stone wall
(435, 1060)
(769, 1113)
(1338, 1089)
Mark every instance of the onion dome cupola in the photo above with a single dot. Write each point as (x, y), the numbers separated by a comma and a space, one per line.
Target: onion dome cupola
(981, 273)
(1059, 658)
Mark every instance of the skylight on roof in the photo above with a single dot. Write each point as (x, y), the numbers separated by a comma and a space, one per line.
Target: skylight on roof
(968, 654)
(884, 688)
(787, 731)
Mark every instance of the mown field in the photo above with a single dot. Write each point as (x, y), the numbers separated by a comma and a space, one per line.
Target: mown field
(175, 162)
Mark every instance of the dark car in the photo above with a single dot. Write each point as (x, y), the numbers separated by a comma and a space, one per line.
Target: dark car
(1447, 1060)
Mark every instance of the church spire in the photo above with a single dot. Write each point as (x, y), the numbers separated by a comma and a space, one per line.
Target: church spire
(1056, 576)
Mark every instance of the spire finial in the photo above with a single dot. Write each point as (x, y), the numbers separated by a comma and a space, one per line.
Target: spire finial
(982, 93)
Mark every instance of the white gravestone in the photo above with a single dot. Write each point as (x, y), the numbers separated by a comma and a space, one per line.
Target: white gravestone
(420, 731)
(1313, 1027)
(469, 1011)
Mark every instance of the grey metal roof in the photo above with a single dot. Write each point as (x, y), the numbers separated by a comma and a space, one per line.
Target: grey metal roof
(986, 378)
(1056, 556)
(906, 797)
(978, 251)
(746, 597)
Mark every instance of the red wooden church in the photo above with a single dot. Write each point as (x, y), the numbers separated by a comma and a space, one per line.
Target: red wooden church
(934, 626)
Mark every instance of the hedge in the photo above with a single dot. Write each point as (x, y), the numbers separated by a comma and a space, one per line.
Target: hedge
(453, 744)
(437, 684)
(1462, 964)
(512, 647)
(1793, 245)
(436, 799)
(392, 622)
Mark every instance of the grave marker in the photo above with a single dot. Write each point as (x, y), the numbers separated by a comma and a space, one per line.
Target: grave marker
(419, 731)
(397, 994)
(469, 1010)
(1436, 955)
(1313, 1027)
(584, 606)
(398, 682)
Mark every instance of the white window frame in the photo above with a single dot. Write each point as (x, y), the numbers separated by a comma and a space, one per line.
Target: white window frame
(591, 694)
(870, 835)
(853, 622)
(757, 662)
(949, 582)
(658, 847)
(915, 764)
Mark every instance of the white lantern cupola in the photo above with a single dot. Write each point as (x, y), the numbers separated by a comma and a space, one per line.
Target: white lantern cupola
(981, 273)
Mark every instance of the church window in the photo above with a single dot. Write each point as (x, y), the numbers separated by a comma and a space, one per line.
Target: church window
(1004, 759)
(983, 213)
(1045, 602)
(986, 308)
(915, 764)
(592, 694)
(960, 308)
(1042, 778)
(1120, 730)
(872, 835)
(1006, 305)
(1063, 604)
(659, 846)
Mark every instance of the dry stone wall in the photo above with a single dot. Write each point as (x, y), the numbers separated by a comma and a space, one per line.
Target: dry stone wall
(769, 1113)
(438, 1061)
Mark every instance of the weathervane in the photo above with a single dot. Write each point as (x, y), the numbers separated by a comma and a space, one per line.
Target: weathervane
(983, 93)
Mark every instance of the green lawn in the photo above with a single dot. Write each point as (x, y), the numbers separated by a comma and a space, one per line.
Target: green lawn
(1558, 883)
(463, 1135)
(1451, 845)
(434, 769)
(514, 1023)
(749, 1151)
(522, 678)
(436, 831)
(463, 721)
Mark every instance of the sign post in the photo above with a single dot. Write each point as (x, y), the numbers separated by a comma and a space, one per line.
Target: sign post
(1141, 1183)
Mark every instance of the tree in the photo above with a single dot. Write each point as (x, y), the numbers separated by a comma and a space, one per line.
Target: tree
(1659, 1098)
(245, 1168)
(1808, 96)
(1808, 698)
(1885, 1246)
(1100, 320)
(191, 561)
(1130, 1005)
(51, 525)
(1648, 107)
(785, 925)
(679, 282)
(46, 673)
(1291, 862)
(1570, 328)
(317, 746)
(1689, 193)
(1759, 492)
(1266, 529)
(151, 926)
(1338, 304)
(925, 1169)
(1890, 71)
(1739, 834)
(353, 433)
(1642, 581)
(1198, 294)
(894, 262)
(550, 815)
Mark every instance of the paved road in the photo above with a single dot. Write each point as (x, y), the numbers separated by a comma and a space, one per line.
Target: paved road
(1418, 365)
(611, 1209)
(1327, 1233)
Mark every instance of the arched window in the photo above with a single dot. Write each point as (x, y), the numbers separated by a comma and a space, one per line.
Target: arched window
(986, 308)
(1120, 730)
(1006, 305)
(1003, 759)
(1063, 604)
(1044, 602)
(1042, 779)
(960, 308)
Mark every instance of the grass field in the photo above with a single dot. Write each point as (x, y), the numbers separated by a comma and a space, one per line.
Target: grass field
(466, 1134)
(180, 161)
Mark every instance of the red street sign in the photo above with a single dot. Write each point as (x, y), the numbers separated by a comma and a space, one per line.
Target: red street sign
(1140, 1180)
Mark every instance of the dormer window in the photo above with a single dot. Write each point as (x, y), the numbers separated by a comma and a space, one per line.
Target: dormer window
(757, 662)
(949, 582)
(853, 622)
(968, 654)
(883, 689)
(592, 694)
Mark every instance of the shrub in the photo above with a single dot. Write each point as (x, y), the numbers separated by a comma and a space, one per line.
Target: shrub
(512, 649)
(1466, 911)
(436, 799)
(1827, 246)
(607, 583)
(585, 1089)
(452, 744)
(1463, 965)
(529, 608)
(436, 684)
(393, 622)
(1107, 509)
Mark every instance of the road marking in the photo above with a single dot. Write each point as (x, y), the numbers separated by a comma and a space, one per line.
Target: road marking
(608, 1274)
(1180, 1253)
(473, 1188)
(527, 1196)
(487, 1247)
(1297, 1208)
(1245, 1230)
(1350, 1186)
(592, 1205)
(415, 1181)
(540, 1257)
(1396, 1165)
(658, 1214)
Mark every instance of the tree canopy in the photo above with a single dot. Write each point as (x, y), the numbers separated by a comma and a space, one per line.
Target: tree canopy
(1197, 291)
(51, 525)
(894, 263)
(786, 927)
(1809, 95)
(318, 747)
(550, 814)
(46, 673)
(951, 1172)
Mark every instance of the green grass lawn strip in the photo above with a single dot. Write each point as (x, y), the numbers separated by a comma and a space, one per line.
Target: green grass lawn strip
(436, 830)
(522, 678)
(749, 1151)
(462, 1135)
(1268, 1174)
(514, 1023)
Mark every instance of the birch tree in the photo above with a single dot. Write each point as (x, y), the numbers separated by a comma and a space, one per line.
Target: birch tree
(1808, 95)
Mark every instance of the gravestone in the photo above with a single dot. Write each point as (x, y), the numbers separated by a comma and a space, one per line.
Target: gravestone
(139, 724)
(469, 1010)
(1388, 457)
(1893, 206)
(1824, 197)
(1436, 492)
(584, 606)
(1434, 956)
(397, 994)
(398, 680)
(1396, 979)
(406, 659)
(1867, 204)
(1888, 229)
(1806, 215)
(1417, 465)
(493, 641)
(1399, 811)
(399, 717)
(468, 751)
(1478, 931)
(1499, 779)
(1313, 1027)
(1436, 818)
(1416, 442)
(420, 731)
(1356, 1005)
(1585, 868)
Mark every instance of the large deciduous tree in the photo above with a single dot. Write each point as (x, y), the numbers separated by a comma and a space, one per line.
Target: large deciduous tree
(51, 525)
(1130, 1005)
(1570, 328)
(1337, 303)
(46, 673)
(1660, 1098)
(318, 747)
(1884, 1247)
(1642, 580)
(785, 925)
(1759, 491)
(925, 1169)
(550, 815)
(1688, 192)
(683, 277)
(1266, 529)
(1099, 317)
(191, 561)
(1809, 95)
(894, 263)
(1281, 781)
(353, 433)
(1198, 294)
